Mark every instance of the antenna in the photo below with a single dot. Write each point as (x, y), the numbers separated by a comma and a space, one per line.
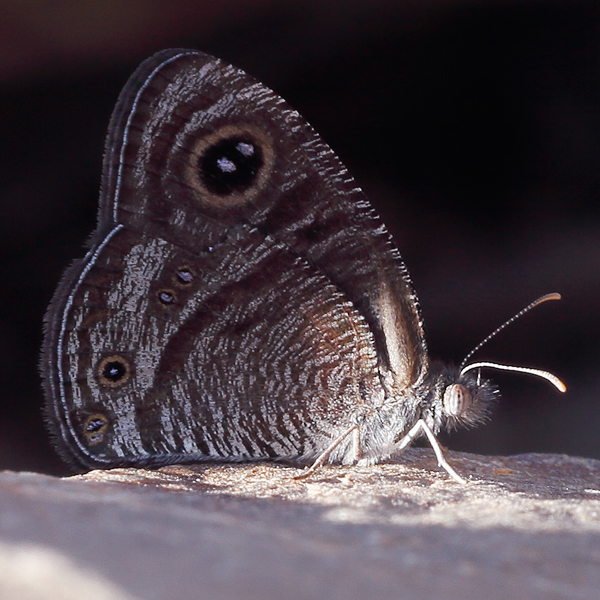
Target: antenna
(553, 379)
(494, 333)
(539, 373)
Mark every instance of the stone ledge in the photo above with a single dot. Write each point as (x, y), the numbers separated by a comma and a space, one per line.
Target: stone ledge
(525, 526)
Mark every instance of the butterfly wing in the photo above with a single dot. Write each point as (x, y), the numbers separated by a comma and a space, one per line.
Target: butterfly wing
(240, 299)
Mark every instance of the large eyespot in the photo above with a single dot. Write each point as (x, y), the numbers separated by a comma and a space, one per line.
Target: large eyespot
(114, 371)
(457, 400)
(94, 428)
(229, 167)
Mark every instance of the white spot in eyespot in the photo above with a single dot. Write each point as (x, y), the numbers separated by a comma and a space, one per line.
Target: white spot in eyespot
(226, 165)
(245, 149)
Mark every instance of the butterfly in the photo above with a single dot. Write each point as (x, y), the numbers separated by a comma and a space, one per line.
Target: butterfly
(240, 298)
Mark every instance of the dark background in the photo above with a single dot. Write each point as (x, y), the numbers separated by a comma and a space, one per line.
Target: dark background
(474, 127)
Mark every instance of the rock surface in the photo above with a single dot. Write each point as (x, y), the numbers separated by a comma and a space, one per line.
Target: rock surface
(524, 527)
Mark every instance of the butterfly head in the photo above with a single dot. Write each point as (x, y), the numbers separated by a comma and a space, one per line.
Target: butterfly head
(458, 399)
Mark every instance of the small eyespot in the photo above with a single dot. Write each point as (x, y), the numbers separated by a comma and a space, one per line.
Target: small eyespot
(166, 297)
(457, 400)
(95, 428)
(183, 276)
(114, 371)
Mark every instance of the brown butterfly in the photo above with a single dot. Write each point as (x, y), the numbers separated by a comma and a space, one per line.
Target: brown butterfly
(240, 299)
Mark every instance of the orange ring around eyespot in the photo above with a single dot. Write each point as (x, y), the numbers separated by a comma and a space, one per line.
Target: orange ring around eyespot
(217, 201)
(97, 435)
(104, 380)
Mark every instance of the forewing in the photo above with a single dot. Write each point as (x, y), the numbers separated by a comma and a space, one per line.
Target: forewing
(178, 103)
(298, 313)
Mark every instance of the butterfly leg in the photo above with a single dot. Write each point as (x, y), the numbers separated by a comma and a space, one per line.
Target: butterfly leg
(356, 446)
(419, 426)
(327, 452)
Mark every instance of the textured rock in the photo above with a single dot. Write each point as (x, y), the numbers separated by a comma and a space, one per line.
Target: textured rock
(524, 527)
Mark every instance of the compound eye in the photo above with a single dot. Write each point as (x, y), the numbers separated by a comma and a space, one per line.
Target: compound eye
(457, 400)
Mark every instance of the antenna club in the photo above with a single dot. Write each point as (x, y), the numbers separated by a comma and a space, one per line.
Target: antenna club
(551, 296)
